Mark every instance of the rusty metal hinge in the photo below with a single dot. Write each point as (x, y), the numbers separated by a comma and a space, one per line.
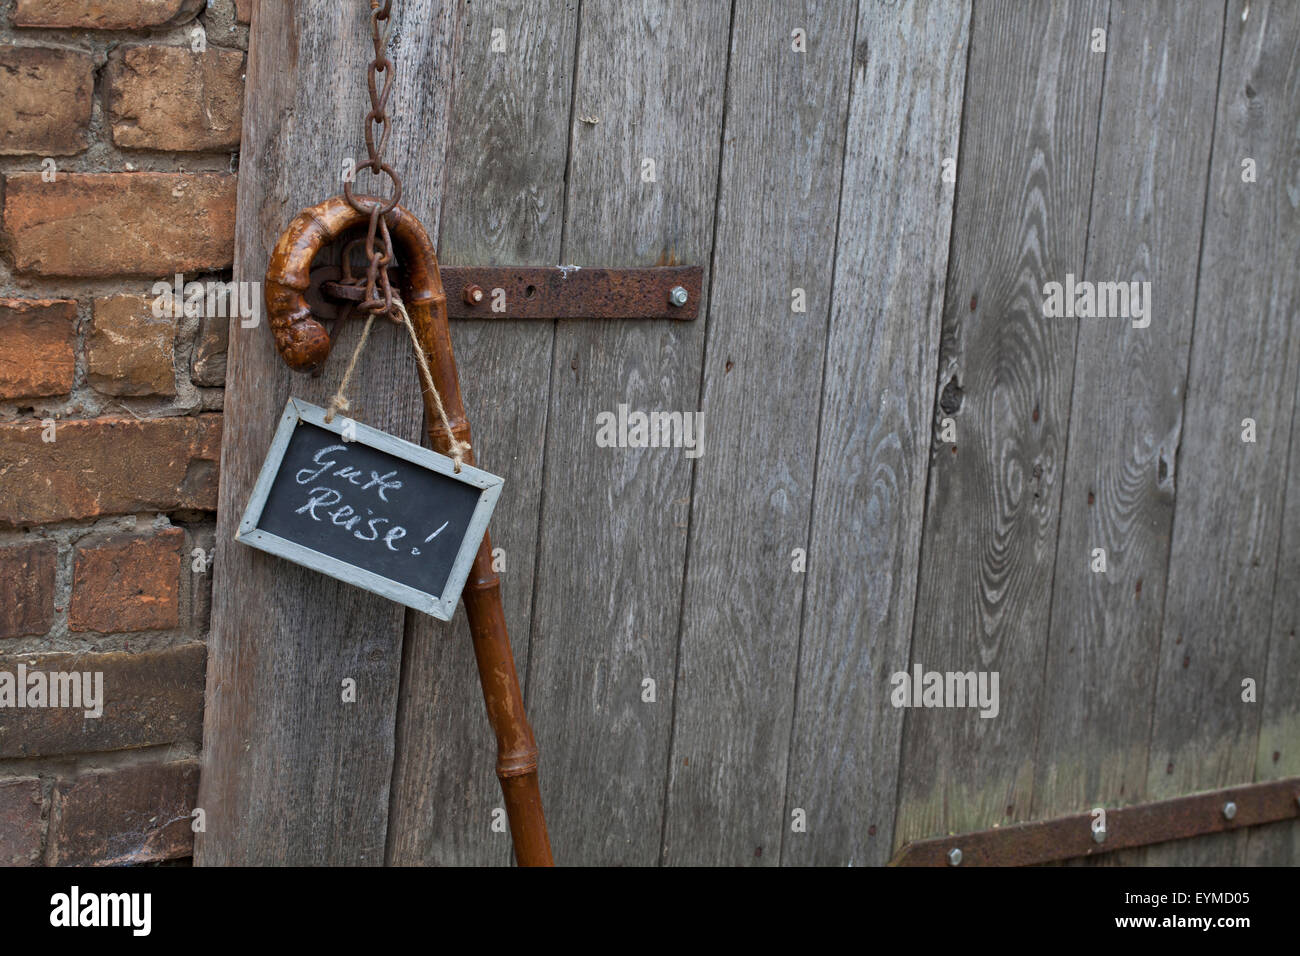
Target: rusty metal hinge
(1045, 841)
(528, 292)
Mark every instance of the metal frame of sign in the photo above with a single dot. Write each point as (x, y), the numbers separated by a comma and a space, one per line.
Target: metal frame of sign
(440, 606)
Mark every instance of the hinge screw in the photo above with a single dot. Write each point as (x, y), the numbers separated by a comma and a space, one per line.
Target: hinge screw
(1229, 810)
(954, 856)
(473, 294)
(677, 296)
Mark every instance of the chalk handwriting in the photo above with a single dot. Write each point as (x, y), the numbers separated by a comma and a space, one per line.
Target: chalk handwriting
(345, 517)
(381, 483)
(322, 500)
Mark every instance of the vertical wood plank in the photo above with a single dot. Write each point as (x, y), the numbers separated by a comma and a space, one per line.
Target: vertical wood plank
(909, 67)
(1126, 415)
(649, 84)
(779, 195)
(1005, 375)
(1279, 731)
(291, 774)
(1245, 356)
(503, 206)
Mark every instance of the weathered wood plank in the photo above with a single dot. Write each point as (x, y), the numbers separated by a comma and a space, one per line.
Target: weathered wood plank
(505, 189)
(1279, 730)
(895, 216)
(650, 78)
(1126, 413)
(1277, 844)
(1245, 358)
(291, 774)
(1005, 375)
(779, 195)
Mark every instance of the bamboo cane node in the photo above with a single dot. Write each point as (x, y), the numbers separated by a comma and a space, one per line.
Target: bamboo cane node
(518, 762)
(483, 583)
(424, 297)
(459, 431)
(517, 765)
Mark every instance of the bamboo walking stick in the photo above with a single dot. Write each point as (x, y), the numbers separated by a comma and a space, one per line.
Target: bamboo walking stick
(304, 344)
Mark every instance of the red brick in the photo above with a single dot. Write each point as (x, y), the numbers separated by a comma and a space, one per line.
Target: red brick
(172, 98)
(20, 821)
(108, 224)
(208, 366)
(126, 815)
(36, 347)
(126, 582)
(44, 100)
(104, 14)
(27, 589)
(202, 539)
(149, 698)
(130, 350)
(104, 466)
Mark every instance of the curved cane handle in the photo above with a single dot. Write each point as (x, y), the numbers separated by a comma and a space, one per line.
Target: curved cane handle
(300, 339)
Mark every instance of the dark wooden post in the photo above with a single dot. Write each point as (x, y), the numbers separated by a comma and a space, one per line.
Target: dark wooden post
(292, 775)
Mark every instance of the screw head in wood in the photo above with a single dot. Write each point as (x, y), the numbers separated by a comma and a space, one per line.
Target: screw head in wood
(677, 296)
(473, 294)
(954, 856)
(1229, 810)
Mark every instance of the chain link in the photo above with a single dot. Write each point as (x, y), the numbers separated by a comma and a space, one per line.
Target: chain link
(378, 243)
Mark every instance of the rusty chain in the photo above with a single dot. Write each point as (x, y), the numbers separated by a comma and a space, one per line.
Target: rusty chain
(378, 243)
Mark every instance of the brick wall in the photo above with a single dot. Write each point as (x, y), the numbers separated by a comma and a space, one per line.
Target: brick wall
(119, 138)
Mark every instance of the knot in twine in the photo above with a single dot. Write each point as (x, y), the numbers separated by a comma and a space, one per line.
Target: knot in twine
(457, 449)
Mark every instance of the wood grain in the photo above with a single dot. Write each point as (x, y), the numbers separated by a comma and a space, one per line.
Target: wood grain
(1126, 413)
(1005, 375)
(1245, 356)
(895, 215)
(783, 146)
(291, 774)
(503, 206)
(1279, 730)
(649, 84)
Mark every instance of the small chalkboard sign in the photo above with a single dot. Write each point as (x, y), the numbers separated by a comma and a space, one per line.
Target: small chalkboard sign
(369, 509)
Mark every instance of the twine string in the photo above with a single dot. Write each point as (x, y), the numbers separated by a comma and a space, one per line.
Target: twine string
(456, 447)
(339, 403)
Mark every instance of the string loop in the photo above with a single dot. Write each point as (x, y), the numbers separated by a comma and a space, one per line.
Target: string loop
(456, 449)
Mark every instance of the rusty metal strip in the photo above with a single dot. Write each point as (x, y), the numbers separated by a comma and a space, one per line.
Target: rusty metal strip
(527, 292)
(575, 293)
(1046, 841)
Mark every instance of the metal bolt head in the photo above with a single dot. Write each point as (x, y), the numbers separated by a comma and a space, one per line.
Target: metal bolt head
(473, 294)
(954, 856)
(1099, 836)
(1229, 810)
(677, 296)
